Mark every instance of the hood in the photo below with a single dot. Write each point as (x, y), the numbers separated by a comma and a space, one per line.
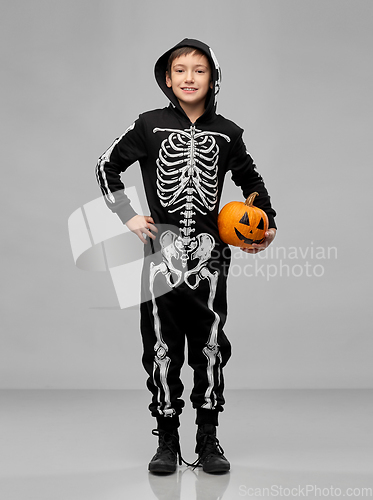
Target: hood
(161, 67)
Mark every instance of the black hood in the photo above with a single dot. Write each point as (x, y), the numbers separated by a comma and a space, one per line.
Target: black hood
(161, 67)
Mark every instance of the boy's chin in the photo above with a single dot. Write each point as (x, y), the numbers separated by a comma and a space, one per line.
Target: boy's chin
(191, 103)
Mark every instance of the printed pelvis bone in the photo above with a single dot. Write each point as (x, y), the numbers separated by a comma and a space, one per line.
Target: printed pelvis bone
(170, 243)
(187, 179)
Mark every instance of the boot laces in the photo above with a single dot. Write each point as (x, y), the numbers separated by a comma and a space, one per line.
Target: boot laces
(207, 444)
(169, 444)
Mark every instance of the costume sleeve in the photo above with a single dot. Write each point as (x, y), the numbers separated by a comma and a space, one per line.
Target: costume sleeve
(126, 150)
(246, 176)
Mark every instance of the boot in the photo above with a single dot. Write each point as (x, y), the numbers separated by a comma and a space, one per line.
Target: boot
(210, 453)
(165, 459)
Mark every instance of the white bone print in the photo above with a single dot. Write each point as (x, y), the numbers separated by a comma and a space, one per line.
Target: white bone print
(187, 178)
(187, 182)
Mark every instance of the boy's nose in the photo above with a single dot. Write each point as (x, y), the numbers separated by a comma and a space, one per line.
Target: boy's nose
(189, 77)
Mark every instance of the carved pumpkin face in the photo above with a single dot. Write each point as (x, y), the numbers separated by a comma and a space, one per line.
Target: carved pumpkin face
(241, 224)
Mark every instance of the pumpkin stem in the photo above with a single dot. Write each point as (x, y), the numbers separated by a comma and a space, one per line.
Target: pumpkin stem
(250, 200)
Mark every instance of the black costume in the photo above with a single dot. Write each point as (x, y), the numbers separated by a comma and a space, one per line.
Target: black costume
(183, 166)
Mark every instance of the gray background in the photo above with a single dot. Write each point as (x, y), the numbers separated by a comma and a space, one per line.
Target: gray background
(297, 76)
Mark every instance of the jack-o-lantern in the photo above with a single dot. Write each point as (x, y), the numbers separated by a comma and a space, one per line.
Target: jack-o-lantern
(241, 224)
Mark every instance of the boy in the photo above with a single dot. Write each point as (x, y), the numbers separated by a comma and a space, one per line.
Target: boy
(184, 152)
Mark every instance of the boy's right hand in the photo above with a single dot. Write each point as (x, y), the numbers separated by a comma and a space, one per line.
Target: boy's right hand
(142, 224)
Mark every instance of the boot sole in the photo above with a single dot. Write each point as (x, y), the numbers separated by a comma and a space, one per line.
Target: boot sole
(162, 469)
(216, 470)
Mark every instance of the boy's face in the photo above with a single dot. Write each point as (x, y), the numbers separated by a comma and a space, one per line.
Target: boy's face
(190, 79)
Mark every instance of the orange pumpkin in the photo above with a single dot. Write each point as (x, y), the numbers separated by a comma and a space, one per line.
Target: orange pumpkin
(241, 224)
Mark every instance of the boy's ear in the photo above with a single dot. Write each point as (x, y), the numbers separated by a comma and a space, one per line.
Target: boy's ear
(211, 85)
(168, 80)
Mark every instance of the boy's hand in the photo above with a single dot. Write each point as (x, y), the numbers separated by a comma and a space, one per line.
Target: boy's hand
(142, 224)
(269, 237)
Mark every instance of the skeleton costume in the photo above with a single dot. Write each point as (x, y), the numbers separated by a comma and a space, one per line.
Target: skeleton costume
(183, 166)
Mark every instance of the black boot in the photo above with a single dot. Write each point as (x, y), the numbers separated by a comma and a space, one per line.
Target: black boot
(165, 460)
(210, 453)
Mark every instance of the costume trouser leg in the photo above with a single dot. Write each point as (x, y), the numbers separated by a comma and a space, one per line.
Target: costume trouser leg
(199, 316)
(163, 354)
(208, 351)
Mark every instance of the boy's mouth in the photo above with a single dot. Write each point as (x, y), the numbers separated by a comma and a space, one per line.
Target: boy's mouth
(188, 89)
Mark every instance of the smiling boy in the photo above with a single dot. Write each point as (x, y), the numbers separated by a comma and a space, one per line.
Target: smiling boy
(184, 151)
(189, 77)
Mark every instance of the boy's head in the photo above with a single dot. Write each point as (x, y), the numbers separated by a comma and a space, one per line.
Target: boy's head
(189, 75)
(168, 72)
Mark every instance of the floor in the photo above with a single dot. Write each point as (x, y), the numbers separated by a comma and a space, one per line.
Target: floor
(67, 445)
